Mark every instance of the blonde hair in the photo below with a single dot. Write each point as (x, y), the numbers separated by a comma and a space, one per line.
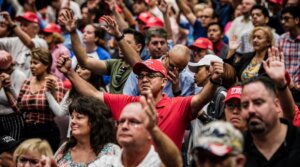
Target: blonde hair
(268, 32)
(30, 145)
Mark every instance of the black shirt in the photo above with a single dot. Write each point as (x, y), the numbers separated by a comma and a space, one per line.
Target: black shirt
(288, 154)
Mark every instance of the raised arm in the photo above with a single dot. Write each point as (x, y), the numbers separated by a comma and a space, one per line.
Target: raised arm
(24, 37)
(111, 27)
(207, 93)
(186, 10)
(165, 8)
(119, 19)
(66, 19)
(165, 147)
(82, 86)
(128, 15)
(274, 67)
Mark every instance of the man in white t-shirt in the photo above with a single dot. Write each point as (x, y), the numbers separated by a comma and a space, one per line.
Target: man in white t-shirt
(26, 39)
(137, 131)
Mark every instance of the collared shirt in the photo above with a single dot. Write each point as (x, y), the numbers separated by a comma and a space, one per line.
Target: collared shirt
(291, 51)
(186, 84)
(288, 154)
(174, 114)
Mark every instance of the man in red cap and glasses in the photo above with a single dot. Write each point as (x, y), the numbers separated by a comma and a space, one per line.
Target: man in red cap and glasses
(26, 39)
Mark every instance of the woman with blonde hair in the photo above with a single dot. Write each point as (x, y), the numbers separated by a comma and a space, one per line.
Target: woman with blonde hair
(32, 101)
(31, 152)
(250, 64)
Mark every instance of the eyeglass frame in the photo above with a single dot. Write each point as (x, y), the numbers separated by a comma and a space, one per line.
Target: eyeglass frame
(149, 76)
(232, 106)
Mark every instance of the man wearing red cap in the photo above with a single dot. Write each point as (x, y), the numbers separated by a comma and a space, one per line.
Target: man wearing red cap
(152, 77)
(26, 39)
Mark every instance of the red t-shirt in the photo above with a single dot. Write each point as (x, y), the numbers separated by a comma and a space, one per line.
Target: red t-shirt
(174, 114)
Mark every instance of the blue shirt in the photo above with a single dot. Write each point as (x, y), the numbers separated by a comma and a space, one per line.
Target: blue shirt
(186, 84)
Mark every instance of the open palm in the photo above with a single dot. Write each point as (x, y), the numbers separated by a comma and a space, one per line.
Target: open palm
(66, 18)
(274, 66)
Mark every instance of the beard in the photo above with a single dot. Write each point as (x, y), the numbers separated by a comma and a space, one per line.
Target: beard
(256, 126)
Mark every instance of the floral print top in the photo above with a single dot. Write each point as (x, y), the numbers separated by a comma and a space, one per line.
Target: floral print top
(65, 160)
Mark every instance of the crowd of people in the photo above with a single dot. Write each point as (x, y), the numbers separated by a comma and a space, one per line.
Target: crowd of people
(149, 83)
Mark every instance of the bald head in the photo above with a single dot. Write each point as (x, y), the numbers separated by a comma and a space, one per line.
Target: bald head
(180, 56)
(131, 131)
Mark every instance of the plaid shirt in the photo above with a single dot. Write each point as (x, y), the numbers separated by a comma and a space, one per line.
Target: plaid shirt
(35, 105)
(291, 50)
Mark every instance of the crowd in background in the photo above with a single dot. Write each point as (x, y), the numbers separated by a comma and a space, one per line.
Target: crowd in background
(150, 83)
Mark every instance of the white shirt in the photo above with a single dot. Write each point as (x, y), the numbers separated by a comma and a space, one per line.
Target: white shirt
(151, 160)
(21, 53)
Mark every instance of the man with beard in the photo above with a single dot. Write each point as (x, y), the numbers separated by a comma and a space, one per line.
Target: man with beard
(270, 141)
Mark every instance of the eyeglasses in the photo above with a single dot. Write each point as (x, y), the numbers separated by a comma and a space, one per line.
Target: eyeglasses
(120, 73)
(286, 18)
(232, 106)
(130, 122)
(24, 160)
(148, 76)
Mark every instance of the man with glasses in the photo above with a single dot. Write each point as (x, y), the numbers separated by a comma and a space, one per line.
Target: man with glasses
(289, 44)
(219, 144)
(180, 81)
(26, 39)
(137, 133)
(152, 77)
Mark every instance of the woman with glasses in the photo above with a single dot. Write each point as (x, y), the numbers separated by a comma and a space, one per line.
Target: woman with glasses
(250, 64)
(30, 152)
(92, 135)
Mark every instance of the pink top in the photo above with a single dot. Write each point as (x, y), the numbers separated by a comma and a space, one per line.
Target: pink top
(56, 52)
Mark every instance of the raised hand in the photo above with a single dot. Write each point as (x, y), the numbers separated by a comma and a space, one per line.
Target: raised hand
(234, 44)
(148, 106)
(163, 6)
(173, 76)
(111, 4)
(67, 19)
(216, 70)
(7, 18)
(50, 84)
(6, 81)
(274, 66)
(64, 63)
(110, 26)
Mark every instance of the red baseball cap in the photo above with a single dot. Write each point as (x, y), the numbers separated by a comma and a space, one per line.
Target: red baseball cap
(233, 92)
(144, 17)
(154, 22)
(202, 43)
(152, 65)
(51, 28)
(28, 16)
